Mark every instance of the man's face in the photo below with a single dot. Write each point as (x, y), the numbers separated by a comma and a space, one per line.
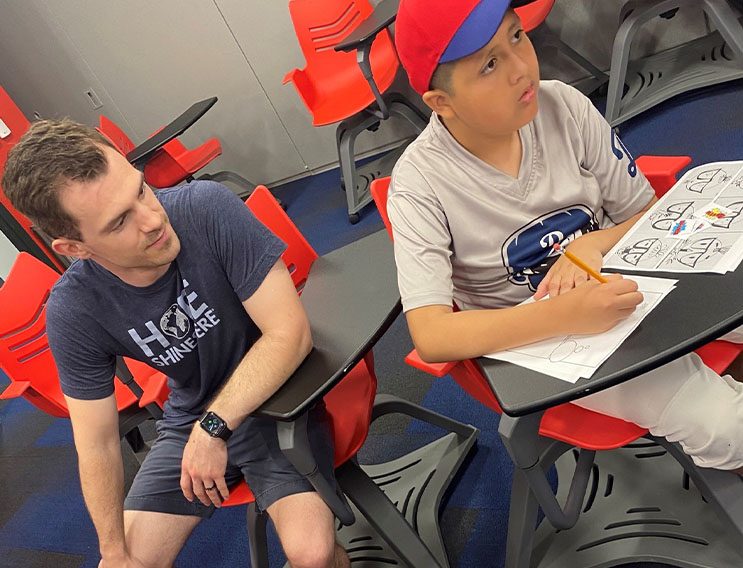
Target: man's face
(123, 226)
(494, 90)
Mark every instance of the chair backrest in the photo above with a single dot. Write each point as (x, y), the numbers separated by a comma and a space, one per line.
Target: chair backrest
(379, 189)
(299, 254)
(321, 24)
(25, 356)
(24, 350)
(532, 15)
(116, 135)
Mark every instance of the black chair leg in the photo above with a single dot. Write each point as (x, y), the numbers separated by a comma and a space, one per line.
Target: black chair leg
(257, 541)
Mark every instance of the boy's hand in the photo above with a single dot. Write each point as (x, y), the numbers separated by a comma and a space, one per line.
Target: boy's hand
(563, 276)
(593, 307)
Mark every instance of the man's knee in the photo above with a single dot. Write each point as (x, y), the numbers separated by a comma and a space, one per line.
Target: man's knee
(316, 551)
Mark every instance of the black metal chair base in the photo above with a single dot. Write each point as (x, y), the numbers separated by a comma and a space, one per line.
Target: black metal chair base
(395, 504)
(640, 507)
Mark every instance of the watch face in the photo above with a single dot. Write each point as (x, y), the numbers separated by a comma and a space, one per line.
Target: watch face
(212, 423)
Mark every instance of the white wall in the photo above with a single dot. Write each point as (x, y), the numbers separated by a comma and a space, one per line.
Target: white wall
(7, 256)
(147, 61)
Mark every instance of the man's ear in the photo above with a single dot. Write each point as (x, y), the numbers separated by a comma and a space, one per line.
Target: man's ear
(439, 102)
(70, 247)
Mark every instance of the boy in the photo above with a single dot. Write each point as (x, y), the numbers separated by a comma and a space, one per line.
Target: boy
(507, 167)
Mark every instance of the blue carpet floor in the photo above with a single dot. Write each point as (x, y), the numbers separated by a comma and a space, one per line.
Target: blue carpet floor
(43, 522)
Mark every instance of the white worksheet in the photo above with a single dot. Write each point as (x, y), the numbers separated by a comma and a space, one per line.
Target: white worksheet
(670, 237)
(571, 357)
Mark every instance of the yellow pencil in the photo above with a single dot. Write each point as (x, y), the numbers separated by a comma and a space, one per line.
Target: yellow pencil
(580, 264)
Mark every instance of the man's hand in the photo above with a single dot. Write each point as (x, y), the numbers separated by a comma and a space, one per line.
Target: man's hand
(593, 307)
(203, 468)
(564, 275)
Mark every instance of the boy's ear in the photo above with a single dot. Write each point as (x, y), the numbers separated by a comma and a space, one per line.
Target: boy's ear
(439, 102)
(70, 247)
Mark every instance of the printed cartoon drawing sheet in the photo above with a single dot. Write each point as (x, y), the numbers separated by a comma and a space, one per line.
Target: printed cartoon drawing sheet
(571, 357)
(696, 227)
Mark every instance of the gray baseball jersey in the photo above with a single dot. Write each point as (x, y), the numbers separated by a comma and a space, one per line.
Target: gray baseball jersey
(467, 232)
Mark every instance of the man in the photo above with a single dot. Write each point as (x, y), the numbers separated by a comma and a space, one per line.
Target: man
(190, 282)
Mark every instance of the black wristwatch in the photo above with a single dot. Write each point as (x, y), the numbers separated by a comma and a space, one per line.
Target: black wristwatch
(215, 426)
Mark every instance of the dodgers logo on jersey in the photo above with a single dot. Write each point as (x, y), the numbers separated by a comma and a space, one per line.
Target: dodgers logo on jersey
(620, 150)
(528, 254)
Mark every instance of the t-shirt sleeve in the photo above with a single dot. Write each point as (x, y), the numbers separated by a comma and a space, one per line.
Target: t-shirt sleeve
(422, 242)
(625, 190)
(85, 370)
(245, 247)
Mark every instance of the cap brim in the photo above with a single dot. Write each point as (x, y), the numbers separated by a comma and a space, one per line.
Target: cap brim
(478, 28)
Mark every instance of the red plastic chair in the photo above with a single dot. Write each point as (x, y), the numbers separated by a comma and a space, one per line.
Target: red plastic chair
(174, 162)
(350, 404)
(299, 254)
(334, 88)
(568, 422)
(533, 15)
(25, 356)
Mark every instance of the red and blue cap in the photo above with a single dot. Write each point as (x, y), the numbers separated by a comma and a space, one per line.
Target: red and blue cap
(431, 32)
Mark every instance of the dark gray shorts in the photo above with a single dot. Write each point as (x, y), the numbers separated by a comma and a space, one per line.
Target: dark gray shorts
(253, 454)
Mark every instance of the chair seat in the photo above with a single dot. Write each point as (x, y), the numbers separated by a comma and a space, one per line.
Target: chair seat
(587, 429)
(332, 94)
(174, 162)
(532, 15)
(239, 495)
(719, 355)
(661, 171)
(195, 159)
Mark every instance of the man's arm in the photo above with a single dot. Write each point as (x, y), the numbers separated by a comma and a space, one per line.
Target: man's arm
(95, 425)
(285, 342)
(440, 334)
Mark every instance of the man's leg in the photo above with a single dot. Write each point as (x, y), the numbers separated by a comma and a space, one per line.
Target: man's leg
(157, 516)
(306, 530)
(685, 402)
(155, 539)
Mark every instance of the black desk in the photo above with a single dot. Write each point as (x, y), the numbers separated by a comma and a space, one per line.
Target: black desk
(701, 308)
(142, 153)
(351, 299)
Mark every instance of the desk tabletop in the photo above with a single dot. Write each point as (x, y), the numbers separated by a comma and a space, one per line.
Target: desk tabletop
(351, 299)
(701, 308)
(139, 155)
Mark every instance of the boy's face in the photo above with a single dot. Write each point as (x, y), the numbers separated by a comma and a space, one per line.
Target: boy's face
(123, 226)
(492, 92)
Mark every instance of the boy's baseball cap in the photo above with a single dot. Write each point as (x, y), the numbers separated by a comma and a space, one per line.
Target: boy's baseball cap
(430, 32)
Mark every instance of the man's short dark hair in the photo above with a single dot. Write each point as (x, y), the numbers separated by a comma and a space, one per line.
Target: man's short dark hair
(50, 155)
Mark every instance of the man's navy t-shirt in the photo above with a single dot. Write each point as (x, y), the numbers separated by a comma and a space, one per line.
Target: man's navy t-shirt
(190, 324)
